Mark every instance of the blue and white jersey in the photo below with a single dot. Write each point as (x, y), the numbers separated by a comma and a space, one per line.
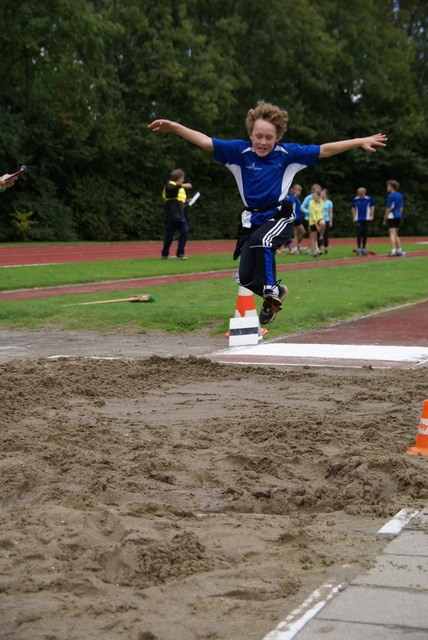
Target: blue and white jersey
(263, 182)
(297, 206)
(363, 205)
(395, 202)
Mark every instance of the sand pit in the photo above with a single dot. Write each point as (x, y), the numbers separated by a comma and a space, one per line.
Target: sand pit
(181, 499)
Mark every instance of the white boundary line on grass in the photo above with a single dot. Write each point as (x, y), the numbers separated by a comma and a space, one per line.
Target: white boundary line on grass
(377, 313)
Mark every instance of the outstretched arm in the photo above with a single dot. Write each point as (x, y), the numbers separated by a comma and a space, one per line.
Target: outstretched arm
(5, 182)
(368, 144)
(195, 137)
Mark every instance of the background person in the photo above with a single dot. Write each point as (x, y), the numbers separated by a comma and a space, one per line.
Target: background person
(293, 196)
(363, 207)
(305, 206)
(393, 216)
(316, 223)
(299, 227)
(264, 169)
(175, 218)
(328, 217)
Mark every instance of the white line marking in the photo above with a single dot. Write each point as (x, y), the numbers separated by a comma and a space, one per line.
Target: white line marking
(332, 351)
(87, 357)
(298, 618)
(380, 312)
(398, 522)
(5, 348)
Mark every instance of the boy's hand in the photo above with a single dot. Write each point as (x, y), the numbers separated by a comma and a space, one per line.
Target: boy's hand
(378, 140)
(160, 125)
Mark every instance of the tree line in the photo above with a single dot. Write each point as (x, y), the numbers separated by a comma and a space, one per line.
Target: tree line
(81, 79)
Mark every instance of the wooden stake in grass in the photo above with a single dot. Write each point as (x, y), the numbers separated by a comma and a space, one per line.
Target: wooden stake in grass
(142, 297)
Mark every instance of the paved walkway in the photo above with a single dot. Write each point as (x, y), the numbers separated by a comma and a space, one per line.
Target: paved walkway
(387, 602)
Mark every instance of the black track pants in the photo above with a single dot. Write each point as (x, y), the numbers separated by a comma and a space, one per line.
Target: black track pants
(257, 267)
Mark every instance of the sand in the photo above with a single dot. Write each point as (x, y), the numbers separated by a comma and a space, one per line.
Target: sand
(157, 497)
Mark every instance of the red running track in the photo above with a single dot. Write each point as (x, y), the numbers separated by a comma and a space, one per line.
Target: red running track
(82, 252)
(60, 254)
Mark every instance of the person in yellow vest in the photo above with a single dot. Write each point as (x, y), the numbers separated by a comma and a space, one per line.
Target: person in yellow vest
(175, 218)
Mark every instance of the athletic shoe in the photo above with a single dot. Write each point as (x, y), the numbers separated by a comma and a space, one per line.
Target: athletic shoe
(393, 255)
(402, 254)
(272, 304)
(319, 252)
(182, 257)
(164, 257)
(359, 252)
(308, 252)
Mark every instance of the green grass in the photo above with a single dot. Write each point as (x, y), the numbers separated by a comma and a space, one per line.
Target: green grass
(84, 272)
(317, 297)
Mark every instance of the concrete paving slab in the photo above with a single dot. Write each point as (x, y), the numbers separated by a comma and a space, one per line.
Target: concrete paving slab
(337, 630)
(409, 543)
(379, 606)
(407, 572)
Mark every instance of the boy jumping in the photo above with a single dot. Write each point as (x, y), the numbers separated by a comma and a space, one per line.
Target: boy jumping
(264, 169)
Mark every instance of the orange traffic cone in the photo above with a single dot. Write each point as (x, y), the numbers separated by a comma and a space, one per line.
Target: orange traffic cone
(246, 307)
(421, 444)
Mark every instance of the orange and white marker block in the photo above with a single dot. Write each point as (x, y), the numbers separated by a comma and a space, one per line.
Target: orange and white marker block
(244, 328)
(421, 445)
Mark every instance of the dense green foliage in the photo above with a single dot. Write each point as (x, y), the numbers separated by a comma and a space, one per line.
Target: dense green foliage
(80, 80)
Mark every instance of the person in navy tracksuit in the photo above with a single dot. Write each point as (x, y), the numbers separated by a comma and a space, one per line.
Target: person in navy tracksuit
(264, 169)
(393, 216)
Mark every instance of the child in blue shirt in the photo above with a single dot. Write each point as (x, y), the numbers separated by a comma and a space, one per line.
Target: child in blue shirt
(264, 169)
(363, 207)
(393, 216)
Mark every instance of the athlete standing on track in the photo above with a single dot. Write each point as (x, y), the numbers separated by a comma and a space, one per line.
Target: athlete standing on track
(393, 216)
(264, 169)
(363, 207)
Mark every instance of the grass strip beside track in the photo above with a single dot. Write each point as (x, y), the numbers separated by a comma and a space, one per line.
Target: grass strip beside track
(317, 298)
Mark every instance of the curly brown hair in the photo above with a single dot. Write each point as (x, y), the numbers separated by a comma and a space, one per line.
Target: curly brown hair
(266, 111)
